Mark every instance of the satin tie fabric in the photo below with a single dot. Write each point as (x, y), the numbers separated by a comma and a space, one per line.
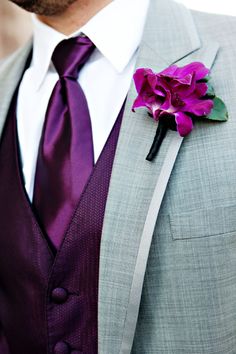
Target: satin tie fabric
(65, 158)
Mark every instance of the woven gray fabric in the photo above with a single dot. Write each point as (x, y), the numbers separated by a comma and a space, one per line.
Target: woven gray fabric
(188, 301)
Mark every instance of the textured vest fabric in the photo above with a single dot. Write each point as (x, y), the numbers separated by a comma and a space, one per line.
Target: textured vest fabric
(48, 302)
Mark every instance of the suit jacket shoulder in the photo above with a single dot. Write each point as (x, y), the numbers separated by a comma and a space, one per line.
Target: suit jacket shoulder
(10, 72)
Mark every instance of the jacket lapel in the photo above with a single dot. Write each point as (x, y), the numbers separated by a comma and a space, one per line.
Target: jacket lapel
(132, 206)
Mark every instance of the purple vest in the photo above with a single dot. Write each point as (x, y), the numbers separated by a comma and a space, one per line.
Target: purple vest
(48, 302)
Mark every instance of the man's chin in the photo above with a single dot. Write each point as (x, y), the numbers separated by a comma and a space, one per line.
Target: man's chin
(44, 7)
(28, 5)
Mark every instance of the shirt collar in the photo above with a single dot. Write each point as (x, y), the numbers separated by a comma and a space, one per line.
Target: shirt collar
(116, 32)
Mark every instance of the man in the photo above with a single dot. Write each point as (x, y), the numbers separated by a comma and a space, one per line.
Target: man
(166, 255)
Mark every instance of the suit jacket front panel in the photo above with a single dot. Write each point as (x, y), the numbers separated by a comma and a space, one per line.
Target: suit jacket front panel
(189, 295)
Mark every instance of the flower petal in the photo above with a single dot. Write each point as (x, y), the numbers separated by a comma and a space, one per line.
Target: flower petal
(201, 89)
(140, 77)
(198, 68)
(139, 102)
(184, 80)
(198, 107)
(156, 113)
(170, 71)
(153, 82)
(185, 91)
(167, 102)
(184, 123)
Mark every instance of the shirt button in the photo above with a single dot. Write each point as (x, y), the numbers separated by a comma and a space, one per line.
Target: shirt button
(59, 295)
(61, 348)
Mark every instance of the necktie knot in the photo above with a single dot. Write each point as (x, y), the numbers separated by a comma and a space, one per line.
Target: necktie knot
(71, 54)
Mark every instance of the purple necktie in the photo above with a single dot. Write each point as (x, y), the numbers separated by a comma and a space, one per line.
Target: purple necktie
(65, 158)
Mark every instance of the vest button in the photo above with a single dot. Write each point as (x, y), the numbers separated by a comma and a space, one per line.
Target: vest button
(59, 295)
(61, 348)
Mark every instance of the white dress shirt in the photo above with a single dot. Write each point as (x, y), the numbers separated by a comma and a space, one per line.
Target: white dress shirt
(116, 32)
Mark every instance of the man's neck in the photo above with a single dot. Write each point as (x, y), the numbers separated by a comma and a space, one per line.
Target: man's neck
(76, 16)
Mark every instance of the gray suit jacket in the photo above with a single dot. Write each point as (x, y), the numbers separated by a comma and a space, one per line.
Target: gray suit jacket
(168, 254)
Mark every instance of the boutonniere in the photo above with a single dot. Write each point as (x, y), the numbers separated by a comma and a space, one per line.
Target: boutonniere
(176, 97)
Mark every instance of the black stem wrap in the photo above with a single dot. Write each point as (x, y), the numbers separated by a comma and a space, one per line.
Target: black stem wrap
(159, 137)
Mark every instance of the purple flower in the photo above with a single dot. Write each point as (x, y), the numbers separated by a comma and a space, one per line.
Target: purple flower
(175, 92)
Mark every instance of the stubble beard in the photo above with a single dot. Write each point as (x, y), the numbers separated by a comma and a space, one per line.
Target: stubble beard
(44, 7)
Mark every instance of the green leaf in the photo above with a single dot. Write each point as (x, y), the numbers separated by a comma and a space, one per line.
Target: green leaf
(219, 111)
(210, 92)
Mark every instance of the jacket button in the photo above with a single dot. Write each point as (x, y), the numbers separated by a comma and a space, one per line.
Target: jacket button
(59, 295)
(61, 348)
